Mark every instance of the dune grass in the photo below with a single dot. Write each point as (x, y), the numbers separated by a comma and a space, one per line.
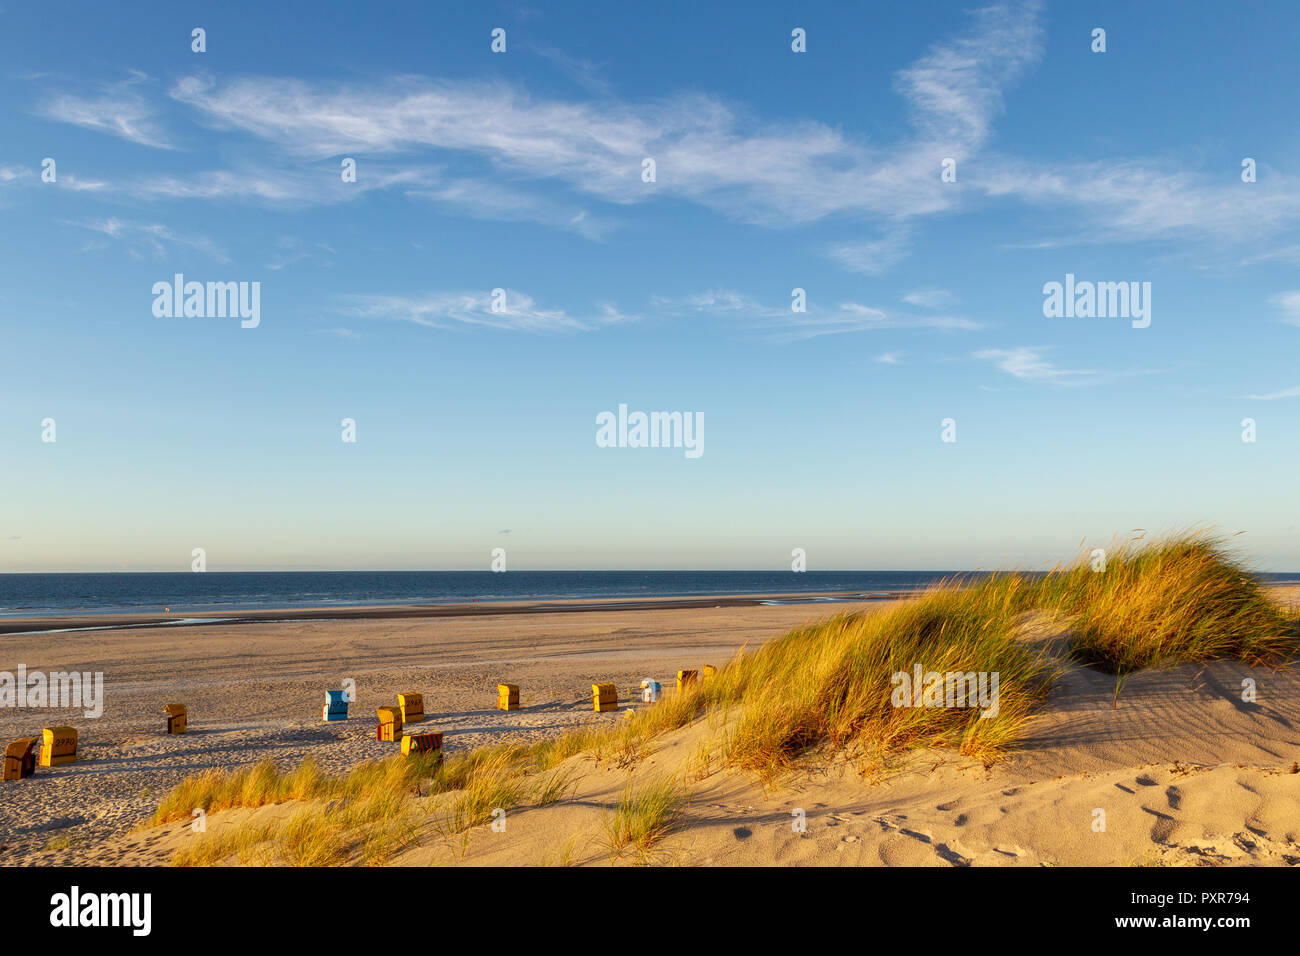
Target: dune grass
(246, 844)
(644, 815)
(365, 809)
(373, 810)
(318, 833)
(831, 684)
(495, 783)
(263, 783)
(1182, 599)
(311, 837)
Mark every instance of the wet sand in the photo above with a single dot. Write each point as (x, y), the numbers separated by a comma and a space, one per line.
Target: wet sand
(31, 625)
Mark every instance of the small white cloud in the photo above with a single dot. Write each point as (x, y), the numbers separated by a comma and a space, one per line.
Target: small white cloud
(873, 257)
(856, 317)
(1028, 364)
(719, 302)
(120, 111)
(890, 358)
(474, 309)
(787, 325)
(149, 235)
(1288, 303)
(929, 298)
(1273, 396)
(483, 199)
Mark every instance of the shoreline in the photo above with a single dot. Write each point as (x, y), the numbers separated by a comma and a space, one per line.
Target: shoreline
(178, 619)
(1288, 594)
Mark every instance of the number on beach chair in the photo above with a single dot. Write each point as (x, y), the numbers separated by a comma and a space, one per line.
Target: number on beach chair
(58, 746)
(336, 705)
(412, 705)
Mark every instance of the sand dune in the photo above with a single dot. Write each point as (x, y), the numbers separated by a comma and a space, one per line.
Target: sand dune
(1184, 771)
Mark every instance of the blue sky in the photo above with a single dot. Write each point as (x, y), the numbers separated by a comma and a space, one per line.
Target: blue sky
(522, 171)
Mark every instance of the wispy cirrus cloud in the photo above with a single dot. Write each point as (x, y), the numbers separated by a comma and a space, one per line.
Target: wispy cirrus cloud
(850, 317)
(1029, 364)
(856, 316)
(955, 91)
(725, 302)
(582, 71)
(316, 185)
(474, 309)
(783, 324)
(153, 236)
(1143, 199)
(275, 184)
(12, 175)
(485, 199)
(930, 298)
(775, 172)
(1288, 303)
(291, 249)
(873, 256)
(1274, 396)
(118, 109)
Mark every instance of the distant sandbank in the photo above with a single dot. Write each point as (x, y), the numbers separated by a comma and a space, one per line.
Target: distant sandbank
(101, 621)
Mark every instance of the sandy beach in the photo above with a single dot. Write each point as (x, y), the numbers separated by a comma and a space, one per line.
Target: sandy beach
(254, 691)
(1185, 772)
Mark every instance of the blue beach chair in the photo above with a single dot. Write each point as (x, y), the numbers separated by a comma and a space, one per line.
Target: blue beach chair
(336, 705)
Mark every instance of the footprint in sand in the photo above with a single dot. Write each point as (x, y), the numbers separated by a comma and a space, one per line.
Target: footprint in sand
(1163, 827)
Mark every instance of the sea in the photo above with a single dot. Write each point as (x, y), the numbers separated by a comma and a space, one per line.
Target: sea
(40, 595)
(52, 595)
